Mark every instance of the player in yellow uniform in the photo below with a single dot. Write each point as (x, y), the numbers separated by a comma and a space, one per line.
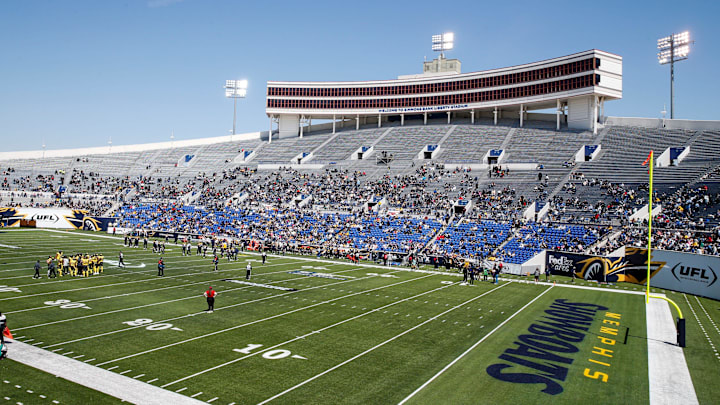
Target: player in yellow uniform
(85, 265)
(95, 264)
(73, 266)
(59, 260)
(78, 265)
(100, 259)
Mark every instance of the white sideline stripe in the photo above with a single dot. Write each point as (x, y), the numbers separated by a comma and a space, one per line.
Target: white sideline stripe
(668, 375)
(113, 384)
(309, 334)
(379, 345)
(255, 321)
(471, 348)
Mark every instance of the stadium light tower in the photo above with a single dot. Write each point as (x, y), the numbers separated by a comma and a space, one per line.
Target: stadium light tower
(443, 42)
(671, 49)
(235, 89)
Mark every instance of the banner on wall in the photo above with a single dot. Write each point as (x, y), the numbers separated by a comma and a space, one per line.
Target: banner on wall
(57, 218)
(685, 272)
(588, 267)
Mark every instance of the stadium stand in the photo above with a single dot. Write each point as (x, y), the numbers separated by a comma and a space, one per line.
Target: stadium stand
(206, 190)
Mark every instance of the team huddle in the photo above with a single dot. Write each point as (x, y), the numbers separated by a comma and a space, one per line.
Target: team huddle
(78, 265)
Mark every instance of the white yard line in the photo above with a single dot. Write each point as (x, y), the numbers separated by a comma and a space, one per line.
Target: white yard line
(668, 374)
(153, 290)
(702, 328)
(194, 296)
(259, 320)
(199, 313)
(712, 322)
(471, 348)
(378, 346)
(161, 289)
(309, 334)
(107, 382)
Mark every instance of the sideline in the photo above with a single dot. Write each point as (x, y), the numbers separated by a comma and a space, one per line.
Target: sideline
(119, 386)
(668, 374)
(401, 268)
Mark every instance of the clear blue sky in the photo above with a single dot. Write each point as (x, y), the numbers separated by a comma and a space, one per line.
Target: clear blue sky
(75, 73)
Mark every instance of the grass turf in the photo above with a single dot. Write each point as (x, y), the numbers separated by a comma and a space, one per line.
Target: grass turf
(369, 335)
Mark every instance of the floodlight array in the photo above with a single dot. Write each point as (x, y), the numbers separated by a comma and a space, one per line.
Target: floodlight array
(236, 88)
(443, 42)
(673, 48)
(679, 53)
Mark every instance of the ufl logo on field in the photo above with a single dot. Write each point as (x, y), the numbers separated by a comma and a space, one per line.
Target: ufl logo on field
(697, 274)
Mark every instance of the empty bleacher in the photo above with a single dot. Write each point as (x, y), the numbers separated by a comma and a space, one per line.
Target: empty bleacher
(469, 143)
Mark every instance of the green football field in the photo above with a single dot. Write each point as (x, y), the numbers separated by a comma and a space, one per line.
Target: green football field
(309, 331)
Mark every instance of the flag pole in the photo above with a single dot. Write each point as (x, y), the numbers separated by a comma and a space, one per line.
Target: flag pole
(649, 243)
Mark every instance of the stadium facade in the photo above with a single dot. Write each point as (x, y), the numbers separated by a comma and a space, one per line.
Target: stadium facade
(576, 86)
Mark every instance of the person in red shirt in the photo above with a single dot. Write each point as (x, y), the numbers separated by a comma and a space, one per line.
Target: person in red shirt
(210, 295)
